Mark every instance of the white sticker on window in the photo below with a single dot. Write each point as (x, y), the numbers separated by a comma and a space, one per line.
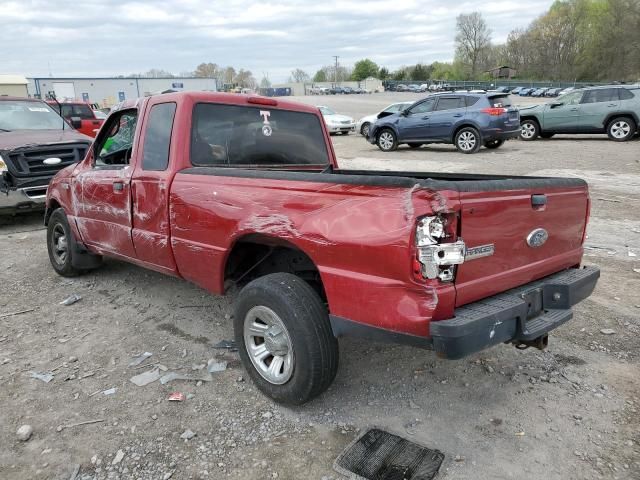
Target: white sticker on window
(38, 109)
(266, 126)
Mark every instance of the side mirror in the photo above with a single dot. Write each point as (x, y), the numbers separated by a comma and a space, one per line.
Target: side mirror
(556, 104)
(76, 122)
(404, 113)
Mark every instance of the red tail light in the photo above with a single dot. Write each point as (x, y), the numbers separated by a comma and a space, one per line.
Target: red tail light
(262, 101)
(494, 111)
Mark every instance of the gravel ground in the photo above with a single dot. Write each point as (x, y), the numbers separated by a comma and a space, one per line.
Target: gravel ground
(570, 412)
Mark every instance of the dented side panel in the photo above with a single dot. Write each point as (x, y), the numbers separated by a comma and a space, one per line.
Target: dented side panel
(358, 236)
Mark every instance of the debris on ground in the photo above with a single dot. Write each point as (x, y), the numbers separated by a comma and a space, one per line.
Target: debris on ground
(118, 458)
(75, 472)
(188, 434)
(70, 300)
(11, 314)
(176, 397)
(110, 391)
(214, 366)
(78, 424)
(45, 377)
(227, 345)
(147, 377)
(137, 360)
(607, 331)
(169, 377)
(24, 432)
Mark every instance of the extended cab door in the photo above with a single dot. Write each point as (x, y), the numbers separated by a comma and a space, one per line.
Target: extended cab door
(150, 188)
(562, 114)
(102, 188)
(413, 125)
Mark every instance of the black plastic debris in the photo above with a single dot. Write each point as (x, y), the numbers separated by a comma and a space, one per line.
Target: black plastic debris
(227, 345)
(379, 455)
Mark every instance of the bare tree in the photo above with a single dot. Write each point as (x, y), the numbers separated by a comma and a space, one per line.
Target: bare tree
(208, 70)
(299, 76)
(473, 40)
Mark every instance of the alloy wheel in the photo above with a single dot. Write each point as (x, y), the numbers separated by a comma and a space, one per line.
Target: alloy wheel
(467, 141)
(527, 130)
(386, 140)
(620, 129)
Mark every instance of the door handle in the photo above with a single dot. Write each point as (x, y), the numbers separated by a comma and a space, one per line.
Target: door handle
(457, 115)
(612, 105)
(118, 186)
(574, 110)
(426, 117)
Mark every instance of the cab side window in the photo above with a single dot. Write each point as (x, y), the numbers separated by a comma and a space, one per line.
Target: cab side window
(449, 103)
(113, 147)
(157, 138)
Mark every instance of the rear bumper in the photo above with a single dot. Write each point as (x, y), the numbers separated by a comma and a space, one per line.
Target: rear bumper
(498, 134)
(522, 314)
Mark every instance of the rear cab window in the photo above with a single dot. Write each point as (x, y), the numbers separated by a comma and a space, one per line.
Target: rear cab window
(77, 110)
(233, 135)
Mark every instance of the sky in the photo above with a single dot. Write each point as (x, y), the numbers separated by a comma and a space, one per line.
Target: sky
(119, 37)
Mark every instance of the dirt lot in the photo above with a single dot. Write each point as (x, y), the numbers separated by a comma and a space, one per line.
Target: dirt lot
(570, 412)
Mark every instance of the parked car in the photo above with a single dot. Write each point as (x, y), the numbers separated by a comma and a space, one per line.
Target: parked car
(552, 92)
(502, 89)
(89, 123)
(612, 109)
(516, 90)
(364, 123)
(347, 90)
(337, 90)
(402, 88)
(467, 120)
(424, 87)
(525, 92)
(35, 143)
(413, 88)
(567, 90)
(245, 193)
(539, 92)
(337, 123)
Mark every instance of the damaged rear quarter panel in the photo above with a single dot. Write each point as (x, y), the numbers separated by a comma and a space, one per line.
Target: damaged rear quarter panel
(358, 236)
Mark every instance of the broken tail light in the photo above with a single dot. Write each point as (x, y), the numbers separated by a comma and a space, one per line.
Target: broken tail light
(437, 257)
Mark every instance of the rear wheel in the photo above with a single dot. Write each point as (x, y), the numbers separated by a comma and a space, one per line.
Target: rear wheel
(415, 145)
(387, 141)
(493, 144)
(529, 130)
(621, 129)
(468, 140)
(285, 339)
(364, 129)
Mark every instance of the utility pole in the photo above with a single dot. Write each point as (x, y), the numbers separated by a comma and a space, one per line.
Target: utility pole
(336, 73)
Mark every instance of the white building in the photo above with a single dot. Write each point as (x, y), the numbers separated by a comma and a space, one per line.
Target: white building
(111, 90)
(13, 85)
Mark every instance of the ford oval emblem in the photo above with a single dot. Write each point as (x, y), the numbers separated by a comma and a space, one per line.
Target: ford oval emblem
(537, 238)
(52, 161)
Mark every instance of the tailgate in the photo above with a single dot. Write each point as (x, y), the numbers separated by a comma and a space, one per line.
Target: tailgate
(505, 219)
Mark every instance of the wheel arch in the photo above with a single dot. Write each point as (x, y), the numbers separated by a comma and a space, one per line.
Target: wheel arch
(254, 255)
(625, 113)
(465, 125)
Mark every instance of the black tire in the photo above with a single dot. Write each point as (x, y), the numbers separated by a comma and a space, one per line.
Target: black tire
(621, 129)
(468, 140)
(387, 140)
(364, 129)
(546, 135)
(415, 145)
(529, 130)
(493, 144)
(305, 318)
(59, 243)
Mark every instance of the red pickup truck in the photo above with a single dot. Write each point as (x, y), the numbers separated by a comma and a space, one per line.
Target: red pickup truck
(224, 189)
(79, 114)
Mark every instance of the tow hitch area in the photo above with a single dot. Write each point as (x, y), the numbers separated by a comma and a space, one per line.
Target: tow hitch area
(540, 343)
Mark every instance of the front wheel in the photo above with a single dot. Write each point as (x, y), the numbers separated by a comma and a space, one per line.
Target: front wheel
(529, 130)
(364, 129)
(387, 141)
(493, 144)
(468, 140)
(285, 339)
(59, 243)
(621, 129)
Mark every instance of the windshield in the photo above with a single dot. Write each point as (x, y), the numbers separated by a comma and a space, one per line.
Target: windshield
(25, 115)
(326, 111)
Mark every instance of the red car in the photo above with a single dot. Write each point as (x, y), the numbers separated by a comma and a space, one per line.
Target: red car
(80, 115)
(224, 189)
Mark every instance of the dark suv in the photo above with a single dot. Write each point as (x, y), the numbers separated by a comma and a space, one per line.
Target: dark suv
(468, 120)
